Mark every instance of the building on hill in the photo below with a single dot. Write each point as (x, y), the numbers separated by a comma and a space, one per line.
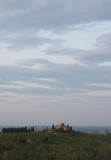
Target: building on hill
(51, 130)
(62, 126)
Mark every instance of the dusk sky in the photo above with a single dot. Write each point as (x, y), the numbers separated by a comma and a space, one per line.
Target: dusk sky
(55, 62)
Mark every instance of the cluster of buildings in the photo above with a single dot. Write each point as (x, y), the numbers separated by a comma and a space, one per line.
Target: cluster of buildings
(61, 127)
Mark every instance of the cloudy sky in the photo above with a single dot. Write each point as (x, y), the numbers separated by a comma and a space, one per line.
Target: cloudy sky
(55, 62)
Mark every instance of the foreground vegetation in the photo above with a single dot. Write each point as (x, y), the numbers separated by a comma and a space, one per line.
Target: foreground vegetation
(55, 146)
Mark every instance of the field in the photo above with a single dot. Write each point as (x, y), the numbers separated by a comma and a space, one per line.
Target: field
(55, 146)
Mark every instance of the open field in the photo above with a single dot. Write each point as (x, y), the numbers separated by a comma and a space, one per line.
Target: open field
(45, 146)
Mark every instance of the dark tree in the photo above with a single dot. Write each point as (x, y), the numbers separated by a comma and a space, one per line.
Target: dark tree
(70, 128)
(15, 130)
(32, 129)
(53, 126)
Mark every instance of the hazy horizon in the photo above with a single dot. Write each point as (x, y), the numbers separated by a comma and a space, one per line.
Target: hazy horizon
(55, 62)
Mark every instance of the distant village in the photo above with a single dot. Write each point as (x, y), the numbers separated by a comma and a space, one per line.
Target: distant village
(61, 127)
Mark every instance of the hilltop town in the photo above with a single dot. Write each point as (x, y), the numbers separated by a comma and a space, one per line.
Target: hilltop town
(62, 127)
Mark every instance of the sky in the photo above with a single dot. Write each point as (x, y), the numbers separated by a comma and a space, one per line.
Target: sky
(55, 62)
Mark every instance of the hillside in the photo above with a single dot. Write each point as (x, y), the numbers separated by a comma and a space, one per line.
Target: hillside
(55, 146)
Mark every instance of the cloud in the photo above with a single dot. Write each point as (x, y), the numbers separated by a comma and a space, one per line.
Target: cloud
(32, 62)
(24, 41)
(104, 40)
(14, 4)
(21, 22)
(105, 64)
(57, 14)
(100, 85)
(100, 53)
(53, 78)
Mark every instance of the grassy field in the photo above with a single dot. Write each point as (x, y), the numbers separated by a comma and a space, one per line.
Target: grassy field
(45, 146)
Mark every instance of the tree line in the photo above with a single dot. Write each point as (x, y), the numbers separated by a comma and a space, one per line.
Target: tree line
(18, 130)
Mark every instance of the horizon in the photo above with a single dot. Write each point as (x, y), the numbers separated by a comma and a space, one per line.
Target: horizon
(55, 62)
(48, 125)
